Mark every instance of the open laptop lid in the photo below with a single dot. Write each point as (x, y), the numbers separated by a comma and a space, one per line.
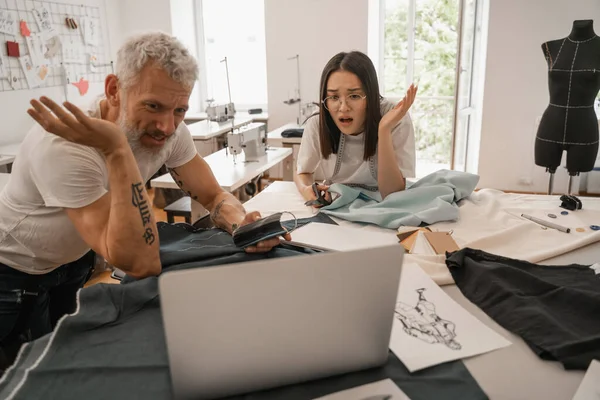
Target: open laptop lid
(243, 327)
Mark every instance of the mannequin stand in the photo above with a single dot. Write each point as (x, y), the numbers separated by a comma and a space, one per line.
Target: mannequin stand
(551, 182)
(551, 171)
(571, 184)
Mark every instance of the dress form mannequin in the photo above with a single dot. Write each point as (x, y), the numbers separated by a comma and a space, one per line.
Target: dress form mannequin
(570, 123)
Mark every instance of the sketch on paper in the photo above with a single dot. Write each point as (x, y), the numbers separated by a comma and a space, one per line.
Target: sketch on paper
(8, 23)
(42, 18)
(423, 322)
(431, 328)
(30, 72)
(89, 27)
(72, 52)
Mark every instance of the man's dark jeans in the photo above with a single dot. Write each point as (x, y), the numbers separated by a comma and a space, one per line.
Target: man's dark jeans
(31, 305)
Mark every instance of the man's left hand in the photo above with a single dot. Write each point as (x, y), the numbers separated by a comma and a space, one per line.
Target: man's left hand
(265, 245)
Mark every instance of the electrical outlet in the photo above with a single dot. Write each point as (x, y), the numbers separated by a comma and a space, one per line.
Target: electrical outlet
(525, 181)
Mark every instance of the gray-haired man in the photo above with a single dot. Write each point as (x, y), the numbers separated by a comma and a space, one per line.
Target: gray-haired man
(78, 185)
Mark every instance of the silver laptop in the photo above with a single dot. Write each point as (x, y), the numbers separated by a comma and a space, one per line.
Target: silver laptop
(239, 328)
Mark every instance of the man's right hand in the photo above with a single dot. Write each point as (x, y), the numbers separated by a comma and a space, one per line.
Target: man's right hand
(76, 126)
(309, 194)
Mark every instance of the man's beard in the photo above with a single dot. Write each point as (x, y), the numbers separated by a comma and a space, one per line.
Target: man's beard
(134, 135)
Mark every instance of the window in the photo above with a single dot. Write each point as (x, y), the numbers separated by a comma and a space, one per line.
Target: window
(425, 42)
(233, 30)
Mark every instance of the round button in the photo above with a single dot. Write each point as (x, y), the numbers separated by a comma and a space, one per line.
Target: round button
(595, 228)
(565, 213)
(580, 229)
(552, 215)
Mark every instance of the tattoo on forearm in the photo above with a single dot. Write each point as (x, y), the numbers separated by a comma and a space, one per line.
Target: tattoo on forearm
(179, 182)
(217, 211)
(138, 201)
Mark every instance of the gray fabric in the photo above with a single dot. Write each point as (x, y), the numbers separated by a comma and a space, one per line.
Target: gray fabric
(113, 346)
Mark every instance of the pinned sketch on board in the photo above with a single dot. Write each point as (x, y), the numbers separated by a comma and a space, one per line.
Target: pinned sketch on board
(8, 23)
(37, 49)
(381, 390)
(30, 72)
(430, 328)
(90, 31)
(43, 20)
(72, 51)
(48, 33)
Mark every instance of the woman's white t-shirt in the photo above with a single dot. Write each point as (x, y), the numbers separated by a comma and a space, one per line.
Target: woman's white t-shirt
(354, 169)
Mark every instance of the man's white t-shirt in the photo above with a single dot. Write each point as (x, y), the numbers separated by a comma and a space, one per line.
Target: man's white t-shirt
(50, 174)
(353, 168)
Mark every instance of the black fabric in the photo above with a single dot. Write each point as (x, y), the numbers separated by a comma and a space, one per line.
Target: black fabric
(555, 309)
(114, 346)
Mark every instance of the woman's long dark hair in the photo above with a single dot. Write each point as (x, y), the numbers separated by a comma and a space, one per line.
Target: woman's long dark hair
(360, 65)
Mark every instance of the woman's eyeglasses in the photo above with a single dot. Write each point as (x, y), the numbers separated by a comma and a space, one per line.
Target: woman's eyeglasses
(333, 103)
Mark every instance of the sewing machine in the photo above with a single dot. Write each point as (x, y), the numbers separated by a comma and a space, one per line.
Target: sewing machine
(251, 139)
(220, 112)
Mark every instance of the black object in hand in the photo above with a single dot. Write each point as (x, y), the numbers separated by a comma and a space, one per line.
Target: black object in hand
(320, 200)
(262, 229)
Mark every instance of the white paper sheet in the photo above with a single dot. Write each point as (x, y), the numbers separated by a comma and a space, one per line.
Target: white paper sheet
(381, 390)
(37, 49)
(430, 328)
(72, 51)
(30, 72)
(90, 31)
(8, 23)
(339, 238)
(44, 21)
(590, 385)
(3, 67)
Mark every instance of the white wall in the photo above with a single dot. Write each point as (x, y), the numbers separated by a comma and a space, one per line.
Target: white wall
(516, 88)
(316, 30)
(143, 15)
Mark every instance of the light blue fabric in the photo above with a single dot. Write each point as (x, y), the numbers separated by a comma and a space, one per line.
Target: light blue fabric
(429, 200)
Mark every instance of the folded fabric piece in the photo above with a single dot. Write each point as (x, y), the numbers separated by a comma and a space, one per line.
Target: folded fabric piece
(429, 200)
(555, 309)
(114, 346)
